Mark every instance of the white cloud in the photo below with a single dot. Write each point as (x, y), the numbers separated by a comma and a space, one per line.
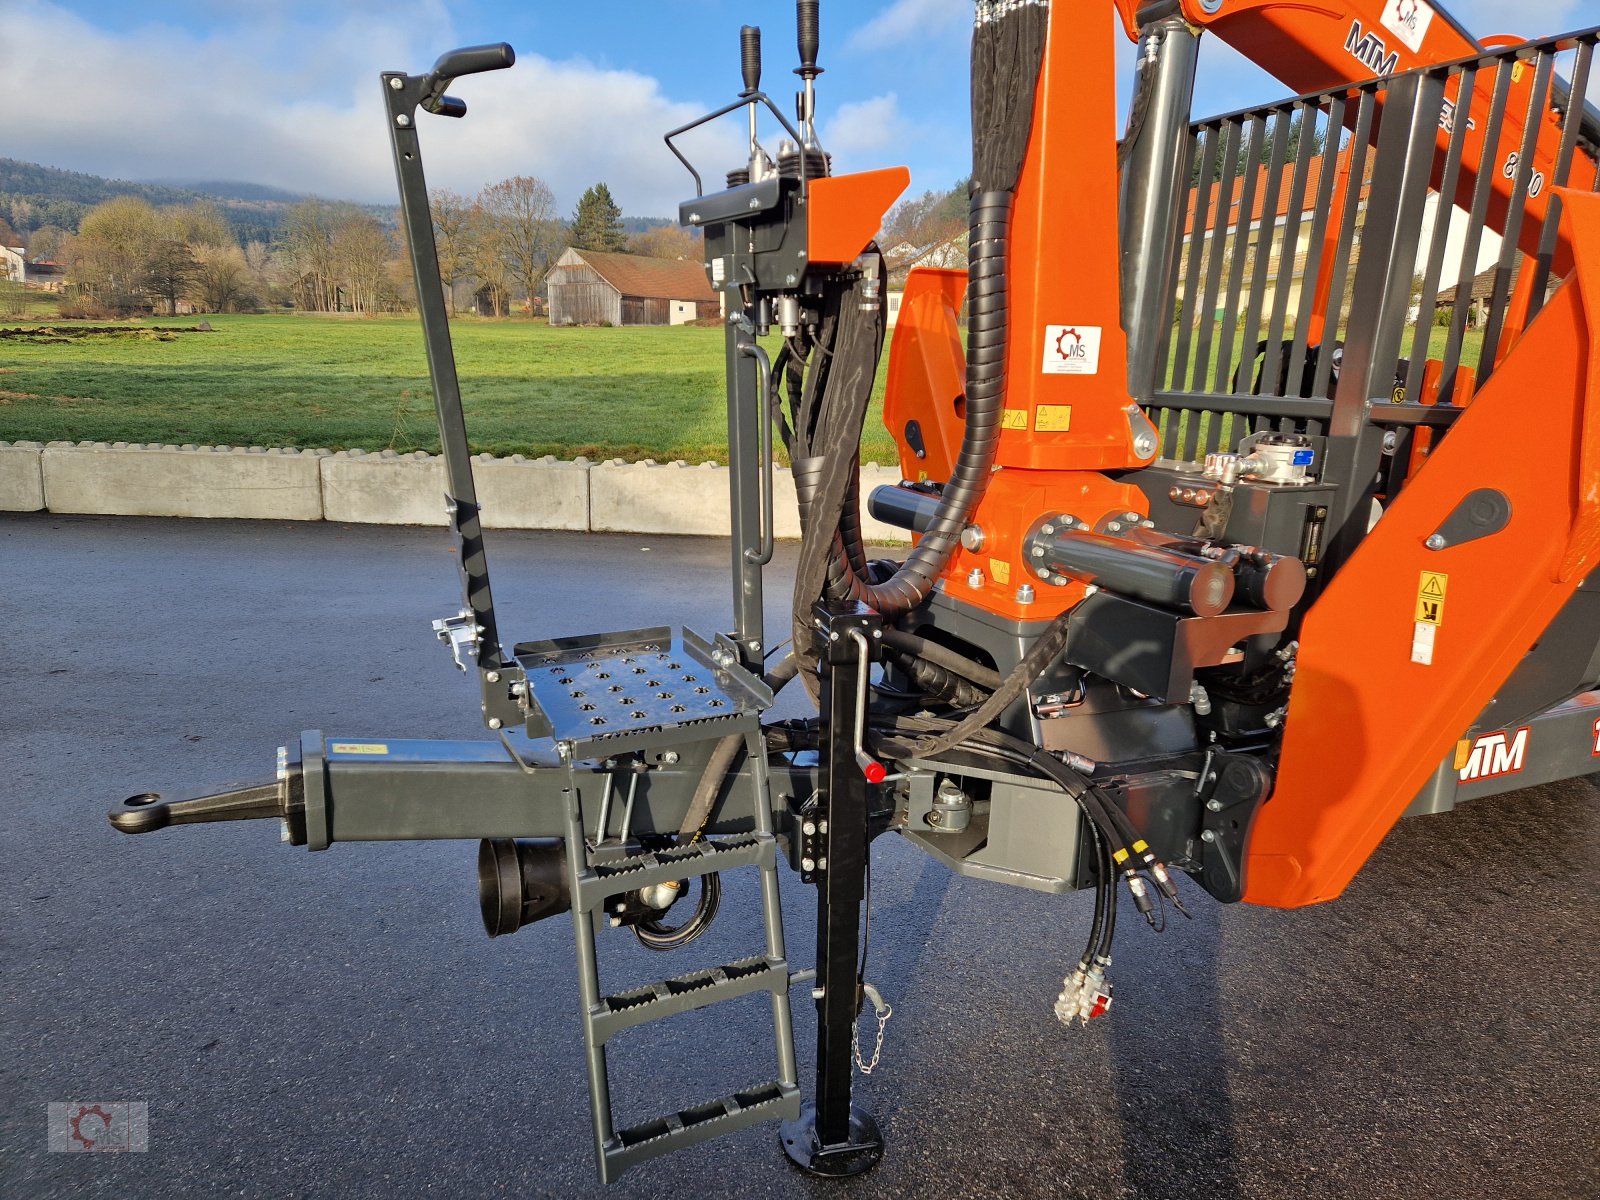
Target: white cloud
(907, 20)
(163, 103)
(861, 128)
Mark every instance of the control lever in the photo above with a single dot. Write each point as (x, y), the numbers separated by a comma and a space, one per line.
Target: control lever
(805, 21)
(469, 60)
(874, 770)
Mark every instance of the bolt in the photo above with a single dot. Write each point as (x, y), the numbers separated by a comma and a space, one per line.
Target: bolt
(808, 864)
(1043, 574)
(754, 204)
(809, 829)
(1214, 805)
(493, 676)
(1025, 594)
(694, 218)
(877, 633)
(1208, 835)
(822, 864)
(818, 993)
(791, 279)
(670, 757)
(1435, 541)
(833, 637)
(402, 120)
(822, 827)
(1047, 530)
(396, 84)
(1114, 527)
(494, 722)
(975, 577)
(1037, 552)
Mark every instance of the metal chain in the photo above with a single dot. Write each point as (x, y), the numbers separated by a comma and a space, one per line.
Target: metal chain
(881, 1007)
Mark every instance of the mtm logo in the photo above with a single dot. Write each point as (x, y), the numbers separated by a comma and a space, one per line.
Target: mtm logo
(1492, 755)
(1369, 50)
(103, 1125)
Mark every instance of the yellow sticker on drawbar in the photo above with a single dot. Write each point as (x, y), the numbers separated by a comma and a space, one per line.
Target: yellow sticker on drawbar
(1000, 570)
(1014, 418)
(359, 747)
(1053, 418)
(1430, 597)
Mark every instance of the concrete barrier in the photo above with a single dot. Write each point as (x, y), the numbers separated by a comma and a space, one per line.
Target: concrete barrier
(386, 488)
(182, 481)
(21, 477)
(545, 493)
(650, 497)
(383, 489)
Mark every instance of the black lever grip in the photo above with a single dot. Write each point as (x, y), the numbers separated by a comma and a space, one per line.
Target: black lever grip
(469, 60)
(805, 17)
(750, 57)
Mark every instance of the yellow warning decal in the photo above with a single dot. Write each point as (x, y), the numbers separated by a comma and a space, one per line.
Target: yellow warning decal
(1014, 418)
(1430, 597)
(1053, 418)
(1000, 569)
(359, 747)
(1463, 753)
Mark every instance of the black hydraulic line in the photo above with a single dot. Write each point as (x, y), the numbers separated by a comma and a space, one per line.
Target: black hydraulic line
(943, 656)
(705, 793)
(1043, 653)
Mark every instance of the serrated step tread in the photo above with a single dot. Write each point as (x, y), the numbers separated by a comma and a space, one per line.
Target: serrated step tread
(691, 1126)
(684, 993)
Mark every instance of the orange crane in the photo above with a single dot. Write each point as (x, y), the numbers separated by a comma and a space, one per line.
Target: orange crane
(1167, 614)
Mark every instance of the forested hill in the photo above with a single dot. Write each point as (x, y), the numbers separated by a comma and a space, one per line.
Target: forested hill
(33, 196)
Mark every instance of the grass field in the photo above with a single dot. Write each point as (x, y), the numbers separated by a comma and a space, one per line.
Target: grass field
(346, 383)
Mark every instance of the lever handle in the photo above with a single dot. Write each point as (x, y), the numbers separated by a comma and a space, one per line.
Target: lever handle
(469, 60)
(805, 19)
(750, 57)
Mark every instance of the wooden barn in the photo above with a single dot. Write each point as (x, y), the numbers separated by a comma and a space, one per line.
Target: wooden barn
(589, 287)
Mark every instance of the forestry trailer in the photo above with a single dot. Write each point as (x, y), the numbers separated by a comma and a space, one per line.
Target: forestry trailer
(1227, 550)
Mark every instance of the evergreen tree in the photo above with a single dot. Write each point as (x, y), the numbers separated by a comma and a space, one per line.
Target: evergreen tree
(597, 224)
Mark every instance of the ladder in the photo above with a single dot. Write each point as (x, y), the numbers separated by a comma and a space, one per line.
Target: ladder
(597, 871)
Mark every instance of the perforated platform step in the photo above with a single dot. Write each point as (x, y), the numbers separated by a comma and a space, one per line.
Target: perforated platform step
(679, 862)
(603, 689)
(685, 993)
(771, 1101)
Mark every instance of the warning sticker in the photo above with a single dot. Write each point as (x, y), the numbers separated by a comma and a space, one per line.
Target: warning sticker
(1014, 418)
(1000, 570)
(1430, 597)
(1071, 349)
(1052, 418)
(359, 747)
(1422, 635)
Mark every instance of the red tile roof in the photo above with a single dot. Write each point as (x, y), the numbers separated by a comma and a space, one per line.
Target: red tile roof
(658, 278)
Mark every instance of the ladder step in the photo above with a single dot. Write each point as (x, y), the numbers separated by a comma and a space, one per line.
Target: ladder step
(630, 1147)
(679, 862)
(685, 993)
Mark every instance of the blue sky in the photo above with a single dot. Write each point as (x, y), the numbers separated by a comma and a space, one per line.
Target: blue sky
(285, 91)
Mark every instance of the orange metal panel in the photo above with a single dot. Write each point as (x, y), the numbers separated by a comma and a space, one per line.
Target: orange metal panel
(1379, 696)
(927, 378)
(845, 211)
(1067, 358)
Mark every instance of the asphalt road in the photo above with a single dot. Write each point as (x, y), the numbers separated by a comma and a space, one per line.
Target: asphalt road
(338, 1025)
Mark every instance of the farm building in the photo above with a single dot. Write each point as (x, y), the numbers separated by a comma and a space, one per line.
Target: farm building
(588, 287)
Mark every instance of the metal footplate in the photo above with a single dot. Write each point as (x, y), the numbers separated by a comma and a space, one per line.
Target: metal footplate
(640, 688)
(580, 666)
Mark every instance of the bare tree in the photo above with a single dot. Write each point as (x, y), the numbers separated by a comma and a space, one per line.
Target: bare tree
(490, 258)
(362, 250)
(308, 246)
(221, 281)
(522, 212)
(452, 234)
(168, 271)
(666, 241)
